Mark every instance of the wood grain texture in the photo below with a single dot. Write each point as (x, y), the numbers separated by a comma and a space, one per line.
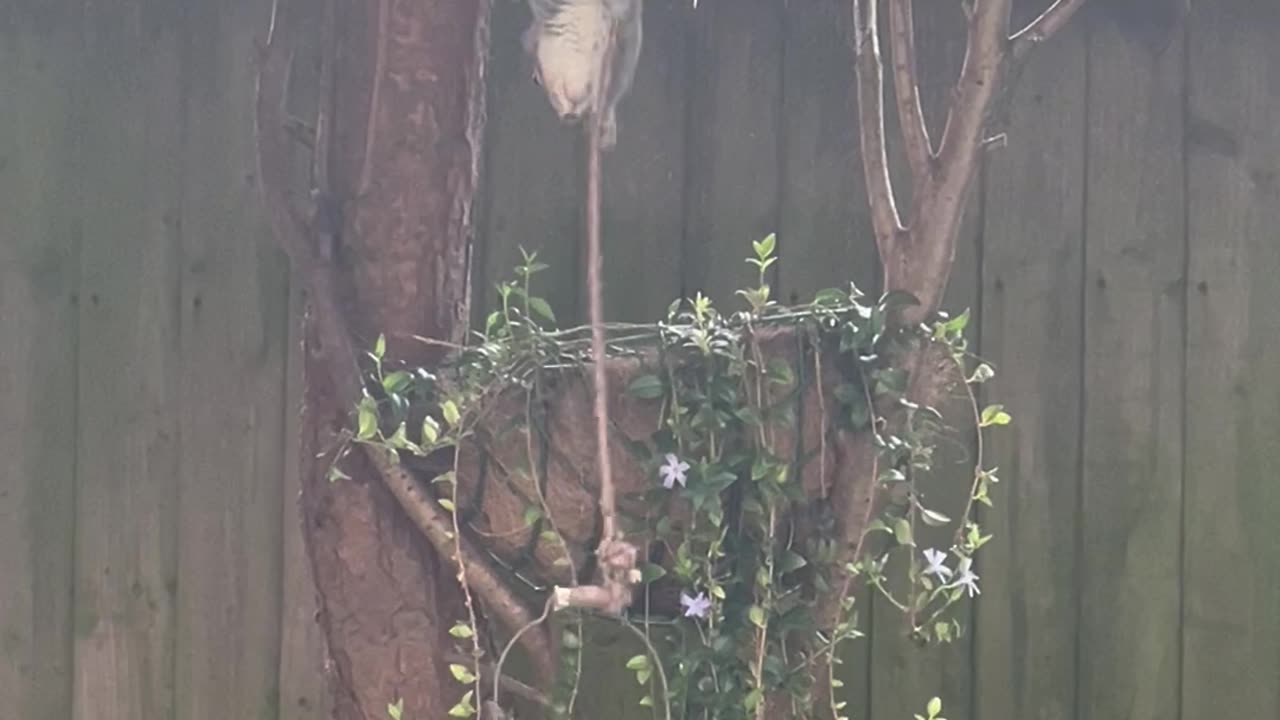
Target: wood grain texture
(733, 141)
(39, 271)
(643, 182)
(1133, 338)
(129, 443)
(234, 310)
(824, 225)
(532, 182)
(1231, 563)
(1031, 319)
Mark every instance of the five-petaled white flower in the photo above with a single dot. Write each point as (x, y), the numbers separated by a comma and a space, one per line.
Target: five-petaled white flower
(673, 471)
(937, 564)
(695, 606)
(967, 577)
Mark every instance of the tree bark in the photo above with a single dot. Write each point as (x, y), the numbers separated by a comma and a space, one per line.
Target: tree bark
(408, 114)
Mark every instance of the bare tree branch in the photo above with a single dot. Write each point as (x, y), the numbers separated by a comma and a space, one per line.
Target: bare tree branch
(906, 82)
(1044, 27)
(295, 236)
(875, 154)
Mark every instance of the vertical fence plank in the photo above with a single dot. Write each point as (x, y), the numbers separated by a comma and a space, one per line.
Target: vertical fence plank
(904, 675)
(128, 444)
(304, 693)
(234, 306)
(1031, 316)
(39, 240)
(1133, 339)
(532, 187)
(825, 237)
(1231, 633)
(733, 143)
(644, 175)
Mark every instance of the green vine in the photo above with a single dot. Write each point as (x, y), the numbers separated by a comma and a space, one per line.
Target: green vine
(736, 528)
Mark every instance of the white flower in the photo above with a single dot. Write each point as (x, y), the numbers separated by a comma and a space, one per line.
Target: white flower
(937, 564)
(967, 577)
(695, 606)
(673, 472)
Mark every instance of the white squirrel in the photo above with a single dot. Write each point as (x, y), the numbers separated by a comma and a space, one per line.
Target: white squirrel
(566, 43)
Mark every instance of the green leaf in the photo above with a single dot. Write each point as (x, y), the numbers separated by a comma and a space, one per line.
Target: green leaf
(396, 711)
(779, 371)
(982, 373)
(447, 504)
(335, 473)
(380, 347)
(532, 514)
(791, 561)
(450, 412)
(933, 518)
(461, 630)
(464, 708)
(367, 424)
(646, 387)
(430, 430)
(898, 298)
(764, 248)
(638, 662)
(957, 324)
(396, 382)
(541, 307)
(902, 532)
(934, 707)
(461, 674)
(756, 615)
(994, 415)
(829, 296)
(646, 701)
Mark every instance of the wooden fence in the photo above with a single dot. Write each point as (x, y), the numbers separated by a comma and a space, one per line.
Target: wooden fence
(1122, 260)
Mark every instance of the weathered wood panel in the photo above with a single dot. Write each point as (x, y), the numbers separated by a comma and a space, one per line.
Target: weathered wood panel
(1231, 551)
(1031, 332)
(643, 182)
(39, 270)
(235, 309)
(733, 142)
(128, 444)
(304, 691)
(1131, 489)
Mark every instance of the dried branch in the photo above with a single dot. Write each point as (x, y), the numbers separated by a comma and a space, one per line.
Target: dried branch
(875, 153)
(506, 682)
(295, 236)
(906, 82)
(1044, 27)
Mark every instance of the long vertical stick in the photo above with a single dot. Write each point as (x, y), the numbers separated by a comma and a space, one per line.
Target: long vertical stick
(595, 295)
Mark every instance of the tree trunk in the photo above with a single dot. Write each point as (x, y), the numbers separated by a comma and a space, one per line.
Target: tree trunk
(408, 116)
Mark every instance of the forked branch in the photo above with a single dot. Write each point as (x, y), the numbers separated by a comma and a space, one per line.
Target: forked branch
(906, 84)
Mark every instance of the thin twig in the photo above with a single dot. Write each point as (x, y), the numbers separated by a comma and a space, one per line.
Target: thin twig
(1044, 27)
(502, 659)
(906, 82)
